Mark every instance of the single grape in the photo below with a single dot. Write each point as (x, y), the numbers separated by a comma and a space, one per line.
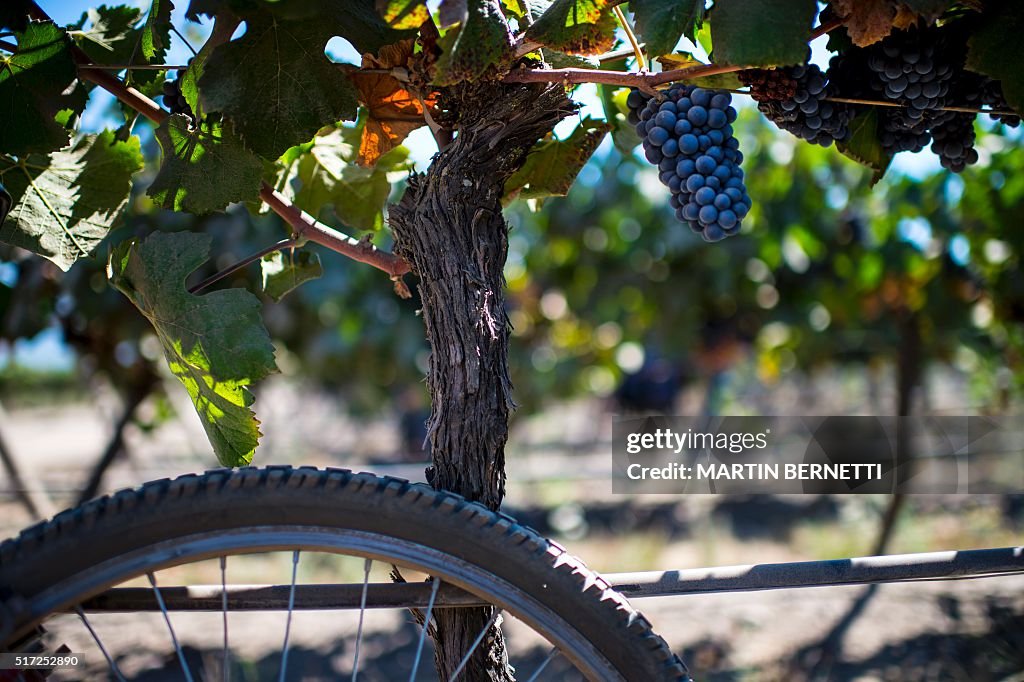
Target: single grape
(706, 165)
(657, 136)
(708, 214)
(704, 196)
(727, 219)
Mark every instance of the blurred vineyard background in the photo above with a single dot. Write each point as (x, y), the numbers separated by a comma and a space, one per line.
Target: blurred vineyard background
(837, 298)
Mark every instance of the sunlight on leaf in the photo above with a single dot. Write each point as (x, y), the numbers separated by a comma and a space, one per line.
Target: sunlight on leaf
(283, 271)
(66, 202)
(215, 344)
(203, 169)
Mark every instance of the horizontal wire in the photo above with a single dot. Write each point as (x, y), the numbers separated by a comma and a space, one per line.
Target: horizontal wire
(748, 93)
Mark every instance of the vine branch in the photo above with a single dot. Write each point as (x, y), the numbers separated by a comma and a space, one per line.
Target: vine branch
(636, 80)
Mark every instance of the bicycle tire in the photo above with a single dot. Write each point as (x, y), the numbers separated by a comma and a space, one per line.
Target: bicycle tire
(82, 551)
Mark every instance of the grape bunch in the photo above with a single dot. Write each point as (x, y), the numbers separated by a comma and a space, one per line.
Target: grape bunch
(992, 95)
(953, 131)
(915, 68)
(173, 99)
(795, 99)
(687, 132)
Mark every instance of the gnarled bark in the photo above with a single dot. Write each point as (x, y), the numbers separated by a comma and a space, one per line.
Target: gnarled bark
(449, 227)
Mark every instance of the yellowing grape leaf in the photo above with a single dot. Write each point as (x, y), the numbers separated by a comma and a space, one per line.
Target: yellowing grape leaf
(403, 14)
(394, 111)
(215, 344)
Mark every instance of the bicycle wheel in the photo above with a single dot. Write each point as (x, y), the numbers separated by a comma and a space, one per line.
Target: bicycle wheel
(80, 553)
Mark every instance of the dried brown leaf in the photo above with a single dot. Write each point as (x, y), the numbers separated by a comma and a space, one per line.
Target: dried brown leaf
(394, 110)
(905, 18)
(867, 21)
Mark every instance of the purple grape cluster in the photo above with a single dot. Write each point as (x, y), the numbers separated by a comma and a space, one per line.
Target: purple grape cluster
(915, 68)
(806, 112)
(173, 99)
(953, 131)
(687, 133)
(992, 95)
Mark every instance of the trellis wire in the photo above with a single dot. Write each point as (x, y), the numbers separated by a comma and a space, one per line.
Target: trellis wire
(841, 100)
(926, 567)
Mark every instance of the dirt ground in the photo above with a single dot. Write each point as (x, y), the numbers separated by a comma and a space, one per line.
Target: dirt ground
(962, 630)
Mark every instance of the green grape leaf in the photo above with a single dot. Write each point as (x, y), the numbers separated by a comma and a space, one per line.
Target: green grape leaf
(215, 344)
(35, 85)
(65, 203)
(661, 23)
(481, 44)
(112, 34)
(996, 50)
(156, 34)
(284, 271)
(276, 85)
(864, 145)
(517, 8)
(358, 22)
(325, 174)
(761, 32)
(576, 26)
(403, 14)
(204, 168)
(553, 165)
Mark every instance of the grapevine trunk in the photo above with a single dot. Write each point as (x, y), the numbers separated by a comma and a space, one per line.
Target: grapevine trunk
(449, 227)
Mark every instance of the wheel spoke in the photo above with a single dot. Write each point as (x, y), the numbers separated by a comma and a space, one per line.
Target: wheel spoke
(225, 672)
(426, 624)
(288, 622)
(476, 642)
(110, 661)
(170, 628)
(362, 612)
(536, 673)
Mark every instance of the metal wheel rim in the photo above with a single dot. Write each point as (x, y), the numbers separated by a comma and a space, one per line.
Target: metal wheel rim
(196, 547)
